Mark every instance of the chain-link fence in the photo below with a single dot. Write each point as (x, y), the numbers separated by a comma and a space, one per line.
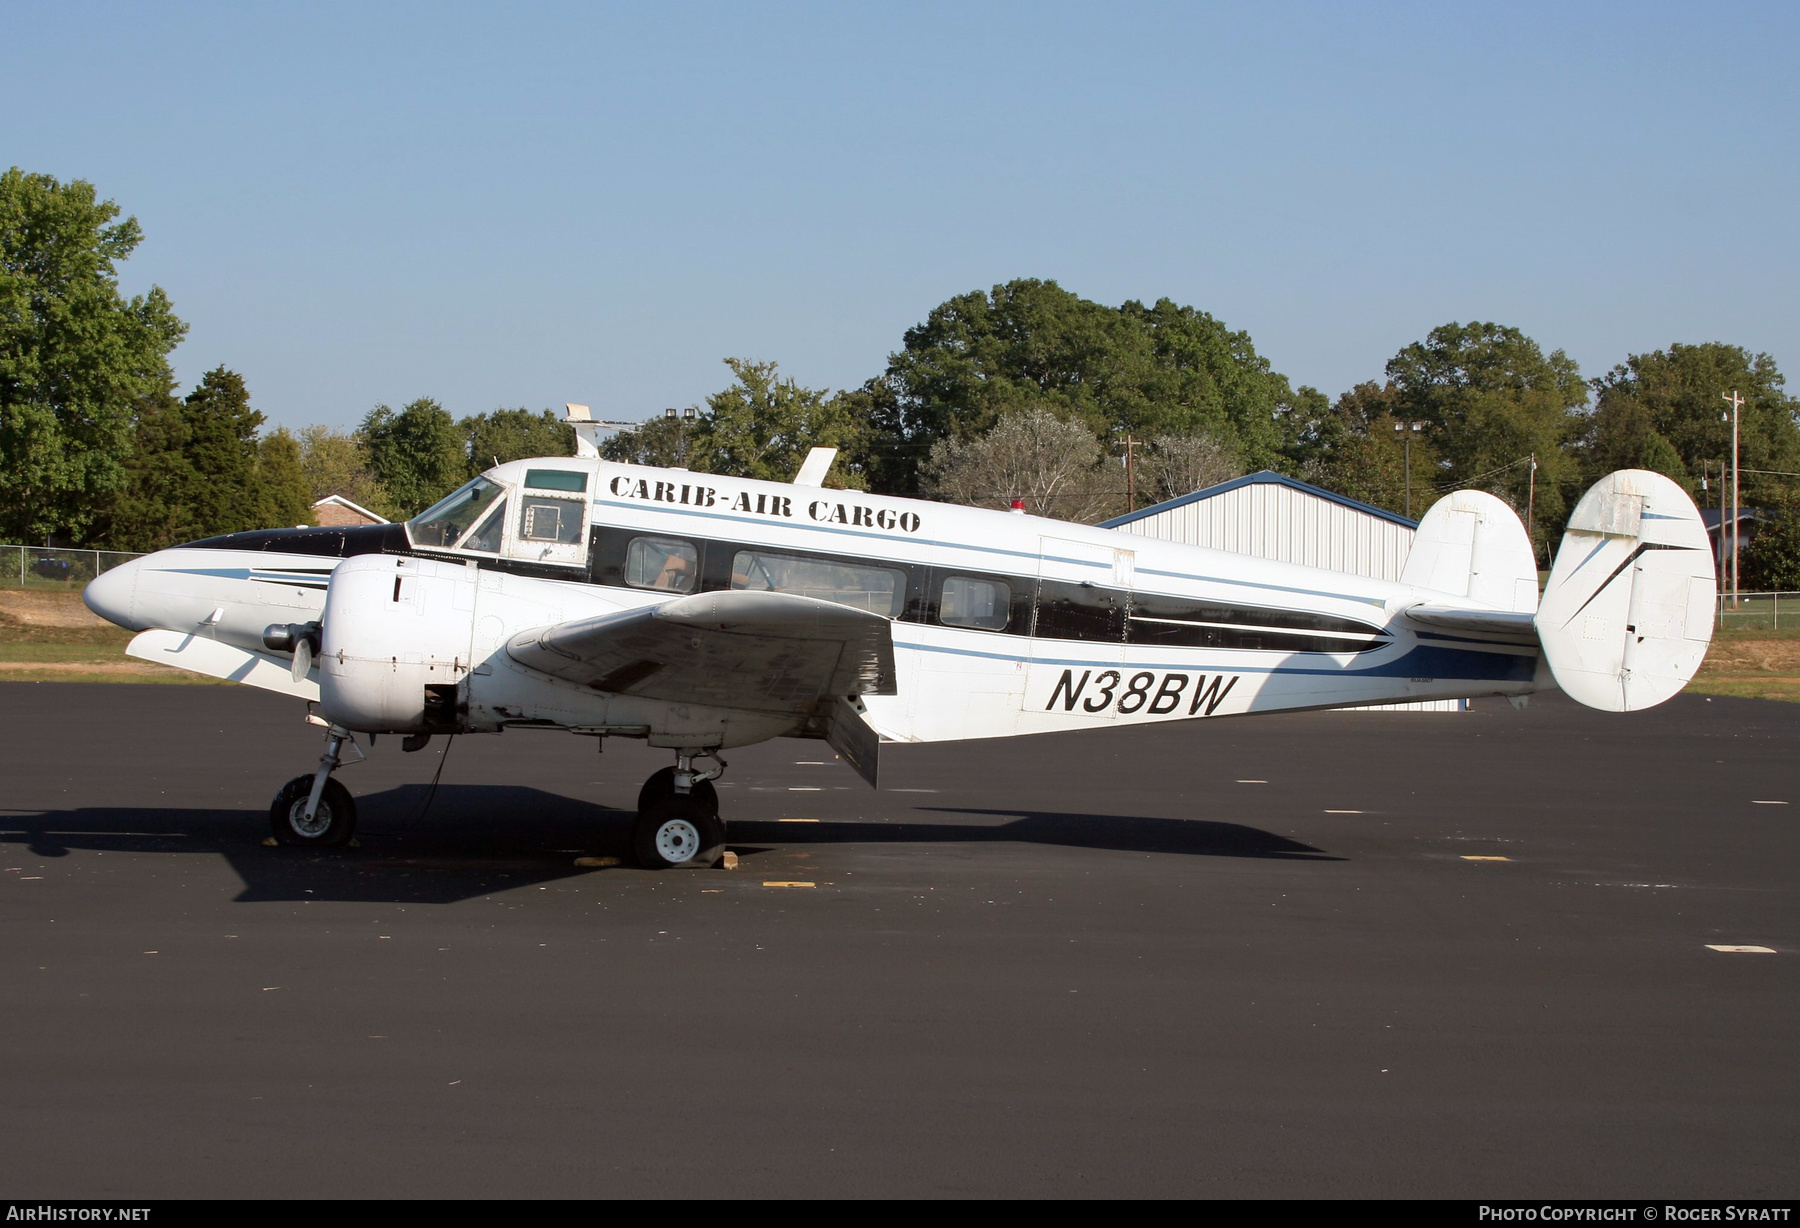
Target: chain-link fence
(50, 567)
(1759, 611)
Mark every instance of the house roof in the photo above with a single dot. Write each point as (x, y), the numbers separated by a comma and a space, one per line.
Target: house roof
(358, 508)
(1709, 516)
(1265, 477)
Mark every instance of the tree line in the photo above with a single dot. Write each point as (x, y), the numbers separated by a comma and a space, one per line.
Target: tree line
(1031, 392)
(1024, 391)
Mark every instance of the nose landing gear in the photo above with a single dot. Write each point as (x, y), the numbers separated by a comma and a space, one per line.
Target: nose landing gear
(314, 810)
(678, 820)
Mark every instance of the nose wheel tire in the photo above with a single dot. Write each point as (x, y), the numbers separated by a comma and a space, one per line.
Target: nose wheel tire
(333, 823)
(678, 830)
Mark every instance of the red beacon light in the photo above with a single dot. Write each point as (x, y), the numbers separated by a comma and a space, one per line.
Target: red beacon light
(1018, 507)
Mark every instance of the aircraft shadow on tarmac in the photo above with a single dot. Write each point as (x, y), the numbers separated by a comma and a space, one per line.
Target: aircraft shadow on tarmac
(476, 840)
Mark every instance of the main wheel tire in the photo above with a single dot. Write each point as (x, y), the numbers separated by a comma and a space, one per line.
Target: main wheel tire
(662, 784)
(333, 823)
(677, 831)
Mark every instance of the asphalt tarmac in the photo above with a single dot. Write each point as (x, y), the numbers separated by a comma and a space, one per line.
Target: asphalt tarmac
(1259, 957)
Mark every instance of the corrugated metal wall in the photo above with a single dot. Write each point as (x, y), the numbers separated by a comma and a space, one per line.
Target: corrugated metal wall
(1273, 521)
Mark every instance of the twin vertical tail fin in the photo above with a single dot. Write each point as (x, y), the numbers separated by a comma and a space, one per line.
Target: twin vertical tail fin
(1471, 545)
(1628, 610)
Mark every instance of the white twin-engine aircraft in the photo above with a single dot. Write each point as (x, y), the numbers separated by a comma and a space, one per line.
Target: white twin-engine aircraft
(704, 612)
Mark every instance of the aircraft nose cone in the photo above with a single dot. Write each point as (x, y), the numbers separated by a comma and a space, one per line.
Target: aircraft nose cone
(112, 593)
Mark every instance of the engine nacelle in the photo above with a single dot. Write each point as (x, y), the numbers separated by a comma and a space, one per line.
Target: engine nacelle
(395, 644)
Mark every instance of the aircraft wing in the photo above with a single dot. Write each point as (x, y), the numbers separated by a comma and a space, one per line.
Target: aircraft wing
(767, 652)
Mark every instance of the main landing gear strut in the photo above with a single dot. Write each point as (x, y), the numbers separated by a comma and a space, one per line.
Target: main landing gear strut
(678, 820)
(314, 810)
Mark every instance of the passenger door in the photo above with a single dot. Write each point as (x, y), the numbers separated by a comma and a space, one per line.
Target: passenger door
(1078, 640)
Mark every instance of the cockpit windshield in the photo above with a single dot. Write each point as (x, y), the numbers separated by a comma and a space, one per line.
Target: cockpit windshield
(444, 522)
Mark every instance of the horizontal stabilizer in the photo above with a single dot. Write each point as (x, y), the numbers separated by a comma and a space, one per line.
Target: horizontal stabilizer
(1489, 622)
(1628, 611)
(765, 652)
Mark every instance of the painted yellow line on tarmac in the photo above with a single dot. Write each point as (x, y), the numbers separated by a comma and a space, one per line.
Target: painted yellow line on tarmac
(785, 884)
(1473, 857)
(1343, 812)
(1740, 950)
(796, 820)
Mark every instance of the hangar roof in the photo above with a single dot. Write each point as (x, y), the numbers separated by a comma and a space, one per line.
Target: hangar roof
(1264, 477)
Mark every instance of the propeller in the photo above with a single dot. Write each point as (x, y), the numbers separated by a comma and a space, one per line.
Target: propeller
(303, 658)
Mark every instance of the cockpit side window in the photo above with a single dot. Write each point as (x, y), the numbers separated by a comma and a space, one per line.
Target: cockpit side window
(445, 521)
(487, 537)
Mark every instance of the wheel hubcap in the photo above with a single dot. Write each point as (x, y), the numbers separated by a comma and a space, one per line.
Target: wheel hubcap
(320, 821)
(677, 841)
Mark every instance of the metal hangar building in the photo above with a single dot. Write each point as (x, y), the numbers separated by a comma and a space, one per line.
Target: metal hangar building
(1272, 516)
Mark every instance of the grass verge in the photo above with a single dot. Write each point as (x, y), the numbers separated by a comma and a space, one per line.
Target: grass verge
(39, 652)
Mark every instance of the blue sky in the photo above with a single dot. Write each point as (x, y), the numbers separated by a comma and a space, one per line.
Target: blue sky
(531, 204)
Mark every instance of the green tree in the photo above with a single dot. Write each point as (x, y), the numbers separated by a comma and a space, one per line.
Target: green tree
(516, 434)
(152, 511)
(883, 453)
(418, 454)
(660, 442)
(76, 357)
(1353, 449)
(1665, 410)
(763, 426)
(224, 493)
(1163, 369)
(1772, 561)
(1490, 399)
(338, 464)
(281, 477)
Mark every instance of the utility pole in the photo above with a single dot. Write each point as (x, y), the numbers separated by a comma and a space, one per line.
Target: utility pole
(1130, 474)
(1721, 558)
(1737, 490)
(1400, 429)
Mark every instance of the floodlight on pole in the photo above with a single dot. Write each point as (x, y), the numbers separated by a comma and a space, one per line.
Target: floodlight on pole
(1531, 509)
(1401, 429)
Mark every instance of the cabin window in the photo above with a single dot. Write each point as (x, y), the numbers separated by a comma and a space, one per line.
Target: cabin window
(879, 590)
(1178, 622)
(967, 602)
(550, 520)
(556, 479)
(661, 563)
(445, 521)
(487, 537)
(1080, 612)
